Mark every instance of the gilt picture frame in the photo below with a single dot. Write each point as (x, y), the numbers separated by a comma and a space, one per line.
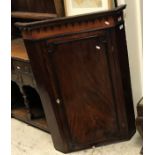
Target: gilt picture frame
(76, 7)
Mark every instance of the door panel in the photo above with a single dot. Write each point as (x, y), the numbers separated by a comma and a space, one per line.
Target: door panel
(85, 88)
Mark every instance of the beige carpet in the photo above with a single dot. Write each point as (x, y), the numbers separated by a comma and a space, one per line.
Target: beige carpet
(27, 140)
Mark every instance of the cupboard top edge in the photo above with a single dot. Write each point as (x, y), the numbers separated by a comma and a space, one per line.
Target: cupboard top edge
(51, 22)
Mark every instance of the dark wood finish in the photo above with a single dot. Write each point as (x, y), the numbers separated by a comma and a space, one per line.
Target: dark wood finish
(17, 100)
(24, 91)
(32, 15)
(140, 107)
(90, 89)
(81, 68)
(26, 110)
(32, 10)
(139, 119)
(40, 6)
(22, 77)
(21, 114)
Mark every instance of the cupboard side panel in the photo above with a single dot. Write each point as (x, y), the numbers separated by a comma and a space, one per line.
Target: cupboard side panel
(125, 75)
(117, 83)
(36, 55)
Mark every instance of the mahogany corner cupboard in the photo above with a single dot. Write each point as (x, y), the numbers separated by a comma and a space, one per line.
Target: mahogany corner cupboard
(81, 68)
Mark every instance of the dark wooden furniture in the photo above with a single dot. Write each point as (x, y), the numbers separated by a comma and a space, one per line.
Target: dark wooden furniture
(81, 68)
(139, 119)
(34, 10)
(38, 6)
(25, 100)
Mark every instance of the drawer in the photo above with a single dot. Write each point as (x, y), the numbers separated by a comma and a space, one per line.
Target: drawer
(21, 73)
(21, 66)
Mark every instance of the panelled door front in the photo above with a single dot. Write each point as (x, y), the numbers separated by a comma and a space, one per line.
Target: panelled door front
(83, 82)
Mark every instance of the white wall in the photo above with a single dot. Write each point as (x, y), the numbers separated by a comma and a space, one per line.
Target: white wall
(133, 20)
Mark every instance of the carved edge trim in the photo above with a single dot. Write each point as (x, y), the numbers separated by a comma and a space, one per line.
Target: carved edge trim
(65, 20)
(49, 28)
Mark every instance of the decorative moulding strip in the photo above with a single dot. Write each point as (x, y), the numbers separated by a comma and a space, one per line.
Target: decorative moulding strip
(44, 32)
(49, 28)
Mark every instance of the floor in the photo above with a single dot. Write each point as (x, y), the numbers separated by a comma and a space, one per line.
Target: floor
(27, 140)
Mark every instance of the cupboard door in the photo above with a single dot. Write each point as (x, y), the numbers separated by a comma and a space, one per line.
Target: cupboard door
(83, 81)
